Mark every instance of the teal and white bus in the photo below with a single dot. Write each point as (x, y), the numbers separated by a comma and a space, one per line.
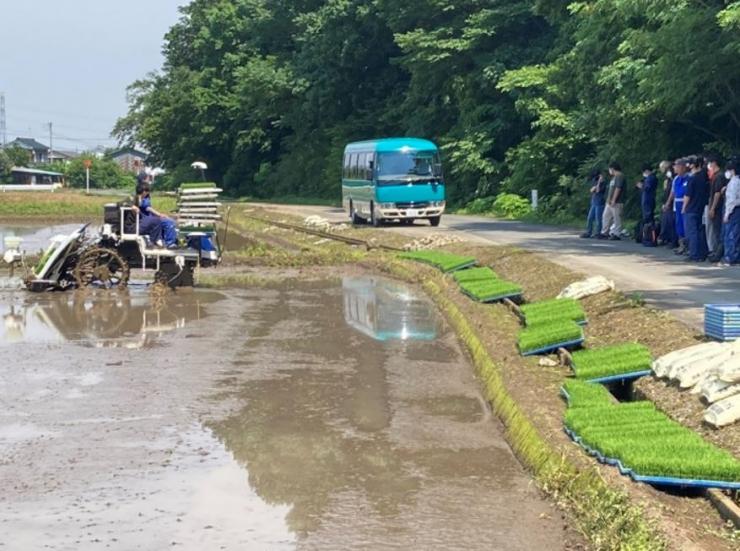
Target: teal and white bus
(393, 179)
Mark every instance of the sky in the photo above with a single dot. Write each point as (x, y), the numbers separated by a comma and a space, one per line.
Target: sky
(69, 62)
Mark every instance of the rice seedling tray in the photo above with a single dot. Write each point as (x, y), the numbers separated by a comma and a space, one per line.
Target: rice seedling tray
(546, 338)
(446, 262)
(553, 311)
(651, 480)
(612, 363)
(493, 291)
(474, 274)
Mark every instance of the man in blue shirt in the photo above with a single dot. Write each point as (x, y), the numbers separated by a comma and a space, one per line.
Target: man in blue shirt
(598, 201)
(675, 201)
(694, 203)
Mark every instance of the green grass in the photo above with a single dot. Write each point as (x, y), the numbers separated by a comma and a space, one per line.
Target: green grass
(537, 337)
(551, 311)
(294, 200)
(611, 360)
(643, 438)
(66, 204)
(447, 262)
(474, 274)
(490, 290)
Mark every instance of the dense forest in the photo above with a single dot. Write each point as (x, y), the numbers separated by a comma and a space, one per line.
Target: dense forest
(519, 94)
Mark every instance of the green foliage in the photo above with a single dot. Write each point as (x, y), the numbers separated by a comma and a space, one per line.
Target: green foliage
(474, 274)
(550, 311)
(538, 337)
(447, 262)
(644, 439)
(611, 360)
(509, 205)
(104, 173)
(520, 94)
(490, 290)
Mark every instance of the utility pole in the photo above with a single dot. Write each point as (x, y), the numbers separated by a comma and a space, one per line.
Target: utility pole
(3, 123)
(51, 141)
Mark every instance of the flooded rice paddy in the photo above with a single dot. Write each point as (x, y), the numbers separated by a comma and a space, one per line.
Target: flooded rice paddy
(329, 415)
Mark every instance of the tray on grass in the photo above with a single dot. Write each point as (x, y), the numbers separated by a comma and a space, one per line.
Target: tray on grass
(552, 347)
(652, 480)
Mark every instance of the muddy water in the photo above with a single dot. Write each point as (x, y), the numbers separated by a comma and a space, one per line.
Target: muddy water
(340, 415)
(35, 237)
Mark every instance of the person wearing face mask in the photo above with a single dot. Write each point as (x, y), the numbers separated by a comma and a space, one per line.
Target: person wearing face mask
(667, 219)
(695, 201)
(731, 217)
(715, 208)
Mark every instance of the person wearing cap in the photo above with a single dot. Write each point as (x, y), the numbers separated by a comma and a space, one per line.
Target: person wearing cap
(694, 203)
(612, 223)
(731, 217)
(715, 208)
(675, 201)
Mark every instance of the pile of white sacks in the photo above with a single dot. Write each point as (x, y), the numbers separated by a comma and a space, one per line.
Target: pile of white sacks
(712, 370)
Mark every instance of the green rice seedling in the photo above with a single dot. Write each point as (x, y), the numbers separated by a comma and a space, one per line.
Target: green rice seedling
(474, 274)
(447, 262)
(551, 311)
(644, 439)
(490, 290)
(583, 394)
(611, 360)
(544, 337)
(197, 185)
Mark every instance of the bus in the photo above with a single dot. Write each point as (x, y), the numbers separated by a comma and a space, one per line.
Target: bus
(393, 179)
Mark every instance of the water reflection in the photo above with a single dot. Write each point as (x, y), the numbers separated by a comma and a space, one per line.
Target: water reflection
(130, 318)
(35, 237)
(384, 310)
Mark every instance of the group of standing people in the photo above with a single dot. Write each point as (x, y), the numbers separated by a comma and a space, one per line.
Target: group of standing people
(700, 214)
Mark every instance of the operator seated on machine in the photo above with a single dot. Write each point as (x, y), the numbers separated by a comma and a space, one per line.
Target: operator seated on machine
(160, 228)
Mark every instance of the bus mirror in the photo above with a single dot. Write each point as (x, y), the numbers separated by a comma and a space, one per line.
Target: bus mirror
(371, 164)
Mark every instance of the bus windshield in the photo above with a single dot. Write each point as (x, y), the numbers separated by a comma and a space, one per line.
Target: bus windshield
(412, 166)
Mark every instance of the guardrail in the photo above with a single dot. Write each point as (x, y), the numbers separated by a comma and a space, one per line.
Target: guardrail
(28, 187)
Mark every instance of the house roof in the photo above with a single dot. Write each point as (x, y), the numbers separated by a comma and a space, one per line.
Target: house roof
(57, 154)
(28, 143)
(24, 170)
(129, 151)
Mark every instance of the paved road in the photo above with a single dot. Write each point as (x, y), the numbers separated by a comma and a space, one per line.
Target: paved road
(664, 280)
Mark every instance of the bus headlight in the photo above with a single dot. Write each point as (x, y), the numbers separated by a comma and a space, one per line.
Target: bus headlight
(437, 204)
(387, 206)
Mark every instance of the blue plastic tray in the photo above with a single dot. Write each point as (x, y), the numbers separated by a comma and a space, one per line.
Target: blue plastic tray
(652, 480)
(619, 378)
(552, 347)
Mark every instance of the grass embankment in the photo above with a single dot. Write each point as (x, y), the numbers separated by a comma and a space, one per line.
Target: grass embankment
(610, 510)
(64, 204)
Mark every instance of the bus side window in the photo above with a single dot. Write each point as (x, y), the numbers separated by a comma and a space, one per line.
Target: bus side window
(345, 166)
(353, 171)
(363, 166)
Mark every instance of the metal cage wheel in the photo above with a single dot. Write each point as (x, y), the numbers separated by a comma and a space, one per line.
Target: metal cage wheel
(101, 266)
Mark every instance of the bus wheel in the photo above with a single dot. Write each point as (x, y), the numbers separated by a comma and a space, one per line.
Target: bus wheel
(375, 220)
(354, 218)
(434, 220)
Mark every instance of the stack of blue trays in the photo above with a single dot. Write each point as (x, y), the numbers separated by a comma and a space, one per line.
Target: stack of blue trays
(722, 321)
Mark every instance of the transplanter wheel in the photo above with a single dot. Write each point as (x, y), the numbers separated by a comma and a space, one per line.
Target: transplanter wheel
(99, 266)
